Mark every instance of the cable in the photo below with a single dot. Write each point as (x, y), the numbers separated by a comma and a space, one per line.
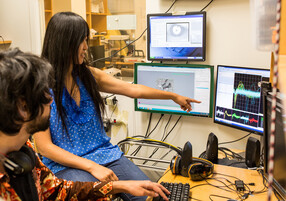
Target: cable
(233, 154)
(163, 136)
(235, 140)
(171, 6)
(163, 139)
(207, 5)
(148, 127)
(218, 196)
(155, 126)
(172, 128)
(152, 141)
(149, 123)
(146, 136)
(113, 111)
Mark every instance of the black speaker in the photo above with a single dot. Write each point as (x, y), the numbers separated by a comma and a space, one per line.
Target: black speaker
(187, 156)
(212, 148)
(252, 152)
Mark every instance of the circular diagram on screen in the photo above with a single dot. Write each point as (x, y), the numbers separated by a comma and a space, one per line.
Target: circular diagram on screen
(177, 29)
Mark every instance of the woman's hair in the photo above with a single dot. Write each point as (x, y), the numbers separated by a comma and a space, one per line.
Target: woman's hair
(23, 77)
(65, 32)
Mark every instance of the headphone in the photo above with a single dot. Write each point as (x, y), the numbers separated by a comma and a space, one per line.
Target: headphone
(20, 162)
(19, 166)
(196, 169)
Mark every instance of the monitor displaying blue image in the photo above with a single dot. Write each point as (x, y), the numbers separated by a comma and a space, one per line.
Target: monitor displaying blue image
(176, 37)
(190, 80)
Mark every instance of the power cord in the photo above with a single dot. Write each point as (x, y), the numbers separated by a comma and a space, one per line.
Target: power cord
(206, 5)
(164, 138)
(235, 140)
(147, 136)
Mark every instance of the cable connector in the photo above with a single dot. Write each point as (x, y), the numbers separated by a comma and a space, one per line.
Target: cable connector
(106, 125)
(245, 196)
(239, 184)
(110, 101)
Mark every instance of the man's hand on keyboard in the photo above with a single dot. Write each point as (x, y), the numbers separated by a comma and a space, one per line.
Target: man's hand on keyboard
(141, 188)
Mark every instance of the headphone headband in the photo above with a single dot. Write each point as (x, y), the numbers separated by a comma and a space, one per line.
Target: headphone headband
(202, 160)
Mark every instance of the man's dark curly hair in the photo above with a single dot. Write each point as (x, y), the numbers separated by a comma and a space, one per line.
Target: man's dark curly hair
(25, 77)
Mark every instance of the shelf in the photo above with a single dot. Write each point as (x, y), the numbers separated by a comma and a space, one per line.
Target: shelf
(5, 42)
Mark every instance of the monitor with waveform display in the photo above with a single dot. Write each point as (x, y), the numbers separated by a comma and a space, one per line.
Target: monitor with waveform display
(238, 101)
(190, 80)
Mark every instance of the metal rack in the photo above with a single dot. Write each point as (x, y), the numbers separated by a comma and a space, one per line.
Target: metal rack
(156, 160)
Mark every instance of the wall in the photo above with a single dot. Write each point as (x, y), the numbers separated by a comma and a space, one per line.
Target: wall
(19, 22)
(230, 41)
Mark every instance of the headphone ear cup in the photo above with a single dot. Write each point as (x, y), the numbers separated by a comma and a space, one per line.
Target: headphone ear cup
(195, 171)
(25, 158)
(31, 154)
(175, 165)
(200, 169)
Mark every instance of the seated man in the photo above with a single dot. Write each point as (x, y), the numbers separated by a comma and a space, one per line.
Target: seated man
(25, 109)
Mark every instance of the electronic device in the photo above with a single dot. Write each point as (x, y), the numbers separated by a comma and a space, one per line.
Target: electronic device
(239, 184)
(191, 80)
(176, 37)
(238, 101)
(252, 152)
(212, 148)
(279, 173)
(196, 169)
(178, 191)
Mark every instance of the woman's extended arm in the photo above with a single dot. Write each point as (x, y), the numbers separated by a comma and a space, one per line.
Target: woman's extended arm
(110, 84)
(46, 148)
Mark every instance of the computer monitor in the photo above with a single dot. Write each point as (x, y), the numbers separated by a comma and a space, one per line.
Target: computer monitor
(238, 101)
(176, 37)
(191, 80)
(279, 173)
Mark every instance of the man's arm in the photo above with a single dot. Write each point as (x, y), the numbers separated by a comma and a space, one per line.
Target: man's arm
(110, 84)
(46, 148)
(53, 188)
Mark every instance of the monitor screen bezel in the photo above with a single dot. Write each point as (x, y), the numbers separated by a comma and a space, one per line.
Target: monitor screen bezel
(177, 65)
(170, 14)
(226, 124)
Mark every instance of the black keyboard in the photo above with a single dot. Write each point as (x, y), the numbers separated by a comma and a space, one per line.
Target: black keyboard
(179, 192)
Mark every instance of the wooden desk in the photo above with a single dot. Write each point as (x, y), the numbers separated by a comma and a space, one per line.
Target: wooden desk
(203, 192)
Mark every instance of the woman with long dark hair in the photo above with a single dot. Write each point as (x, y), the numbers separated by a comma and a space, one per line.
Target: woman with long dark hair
(76, 147)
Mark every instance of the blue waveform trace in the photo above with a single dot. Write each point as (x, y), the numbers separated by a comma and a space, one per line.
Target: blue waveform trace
(248, 93)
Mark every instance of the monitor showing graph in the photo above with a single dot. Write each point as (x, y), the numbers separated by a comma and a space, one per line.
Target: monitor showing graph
(238, 101)
(190, 80)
